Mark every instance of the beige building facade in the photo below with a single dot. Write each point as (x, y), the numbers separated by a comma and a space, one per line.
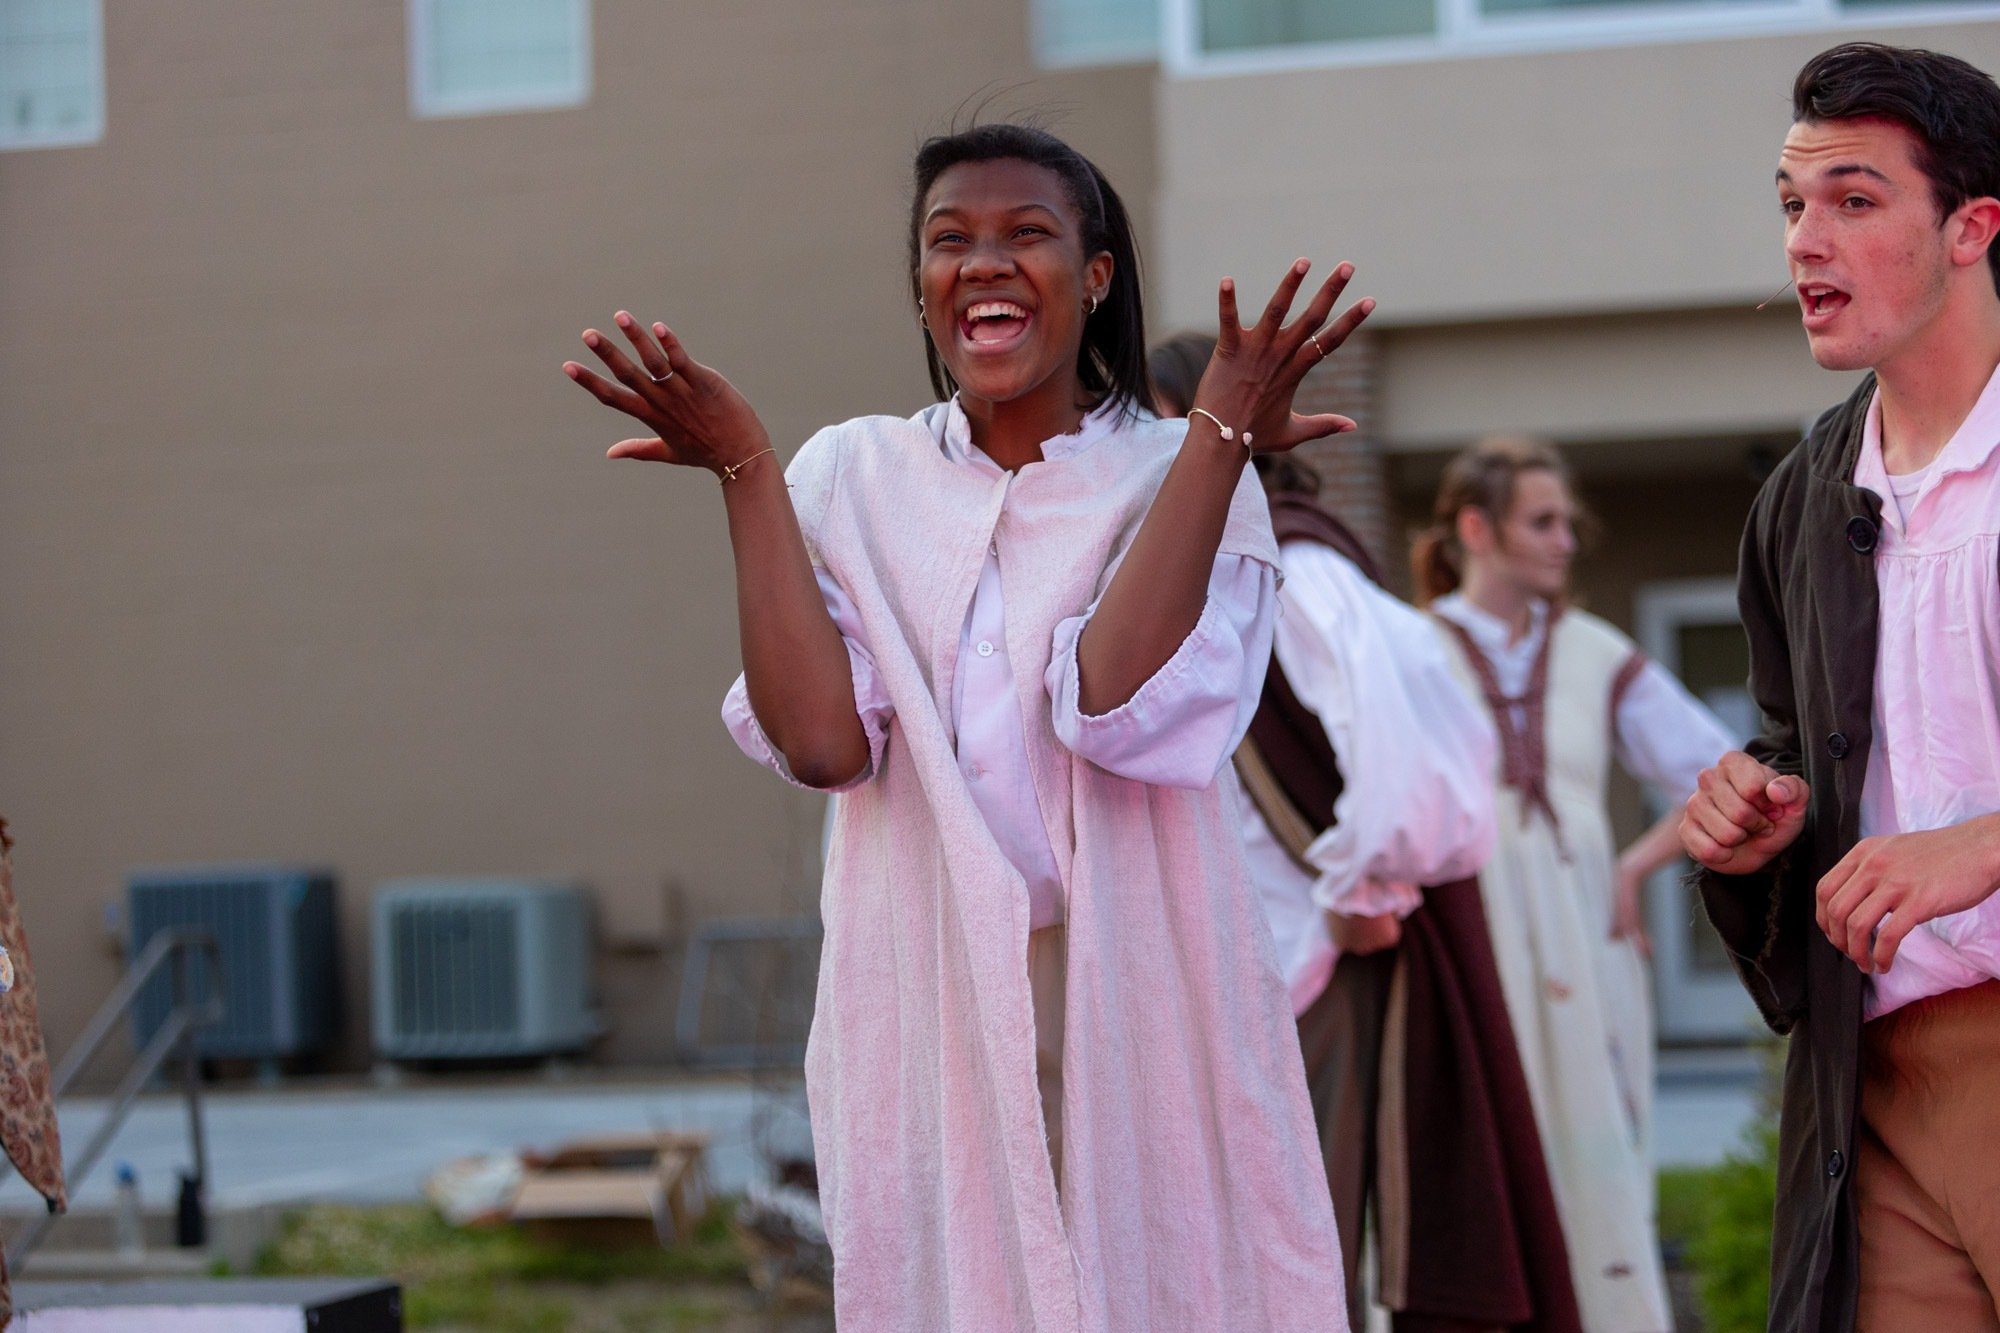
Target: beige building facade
(308, 552)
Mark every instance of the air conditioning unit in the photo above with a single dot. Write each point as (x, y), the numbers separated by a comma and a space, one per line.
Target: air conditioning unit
(481, 968)
(274, 926)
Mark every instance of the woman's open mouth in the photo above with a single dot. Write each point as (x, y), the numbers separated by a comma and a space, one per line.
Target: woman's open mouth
(993, 326)
(1820, 302)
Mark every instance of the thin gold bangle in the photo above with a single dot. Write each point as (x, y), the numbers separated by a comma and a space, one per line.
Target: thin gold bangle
(729, 473)
(1227, 433)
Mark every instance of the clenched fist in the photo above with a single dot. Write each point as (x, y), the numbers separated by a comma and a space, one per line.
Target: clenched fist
(1742, 815)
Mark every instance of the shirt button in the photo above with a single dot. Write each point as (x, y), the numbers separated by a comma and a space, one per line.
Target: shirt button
(985, 648)
(975, 771)
(1836, 745)
(1861, 534)
(1835, 1164)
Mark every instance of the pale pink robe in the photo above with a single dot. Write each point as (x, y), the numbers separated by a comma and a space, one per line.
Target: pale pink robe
(1192, 1196)
(1178, 730)
(1935, 757)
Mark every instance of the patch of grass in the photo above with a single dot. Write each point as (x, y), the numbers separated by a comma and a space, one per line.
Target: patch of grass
(502, 1280)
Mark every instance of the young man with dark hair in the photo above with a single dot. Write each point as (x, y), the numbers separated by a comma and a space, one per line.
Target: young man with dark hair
(1851, 856)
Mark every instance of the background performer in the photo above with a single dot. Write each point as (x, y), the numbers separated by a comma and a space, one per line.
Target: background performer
(1567, 692)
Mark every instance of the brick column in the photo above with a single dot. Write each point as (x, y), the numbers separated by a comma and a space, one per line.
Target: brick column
(1354, 481)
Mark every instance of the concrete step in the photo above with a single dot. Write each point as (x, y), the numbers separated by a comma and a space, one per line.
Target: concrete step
(47, 1265)
(85, 1239)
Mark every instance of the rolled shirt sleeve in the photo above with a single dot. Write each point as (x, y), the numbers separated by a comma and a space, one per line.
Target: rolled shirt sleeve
(1182, 725)
(1418, 751)
(1666, 737)
(871, 700)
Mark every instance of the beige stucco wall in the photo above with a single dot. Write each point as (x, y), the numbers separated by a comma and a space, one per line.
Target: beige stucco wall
(1498, 187)
(307, 550)
(1599, 379)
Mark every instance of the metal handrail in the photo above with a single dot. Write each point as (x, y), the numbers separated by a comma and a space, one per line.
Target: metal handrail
(175, 1035)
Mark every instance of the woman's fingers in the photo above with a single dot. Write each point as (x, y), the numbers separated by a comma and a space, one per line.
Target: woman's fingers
(1338, 332)
(611, 395)
(1323, 299)
(676, 355)
(650, 355)
(1316, 346)
(1303, 429)
(618, 363)
(654, 450)
(1229, 329)
(1281, 300)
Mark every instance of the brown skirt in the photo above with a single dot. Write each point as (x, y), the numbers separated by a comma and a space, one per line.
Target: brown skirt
(1424, 1114)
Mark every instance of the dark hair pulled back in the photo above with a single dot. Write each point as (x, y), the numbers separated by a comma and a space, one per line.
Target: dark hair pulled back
(1111, 364)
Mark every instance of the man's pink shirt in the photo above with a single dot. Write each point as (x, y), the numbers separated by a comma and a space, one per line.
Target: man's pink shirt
(1935, 758)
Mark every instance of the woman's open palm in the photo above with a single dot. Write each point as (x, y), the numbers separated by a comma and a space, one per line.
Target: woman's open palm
(697, 417)
(1255, 372)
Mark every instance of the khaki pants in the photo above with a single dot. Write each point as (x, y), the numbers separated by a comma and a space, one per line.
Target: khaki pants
(1047, 970)
(1927, 1185)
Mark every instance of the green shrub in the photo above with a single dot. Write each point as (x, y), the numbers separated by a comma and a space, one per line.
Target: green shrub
(1719, 1218)
(1731, 1250)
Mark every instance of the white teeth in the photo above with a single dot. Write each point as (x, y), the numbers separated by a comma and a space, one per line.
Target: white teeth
(996, 310)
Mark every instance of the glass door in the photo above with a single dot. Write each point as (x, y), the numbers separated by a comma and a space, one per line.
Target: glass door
(1691, 628)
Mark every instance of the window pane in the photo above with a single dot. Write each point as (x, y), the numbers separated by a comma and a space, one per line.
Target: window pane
(1542, 6)
(490, 55)
(1087, 32)
(51, 72)
(1233, 25)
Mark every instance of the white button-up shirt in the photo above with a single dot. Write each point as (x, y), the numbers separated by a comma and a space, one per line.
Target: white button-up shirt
(1178, 730)
(1416, 750)
(1935, 757)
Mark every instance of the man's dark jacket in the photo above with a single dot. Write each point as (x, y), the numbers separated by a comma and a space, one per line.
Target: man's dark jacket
(1806, 588)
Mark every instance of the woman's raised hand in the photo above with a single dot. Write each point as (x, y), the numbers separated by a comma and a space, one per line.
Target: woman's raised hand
(1255, 372)
(697, 417)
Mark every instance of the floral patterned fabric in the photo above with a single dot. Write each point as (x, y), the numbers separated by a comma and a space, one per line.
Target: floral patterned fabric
(27, 1102)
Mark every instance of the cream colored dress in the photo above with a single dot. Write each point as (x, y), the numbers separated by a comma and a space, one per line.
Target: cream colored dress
(1579, 1000)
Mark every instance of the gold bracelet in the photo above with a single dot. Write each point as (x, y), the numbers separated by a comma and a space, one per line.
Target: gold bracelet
(1227, 433)
(729, 473)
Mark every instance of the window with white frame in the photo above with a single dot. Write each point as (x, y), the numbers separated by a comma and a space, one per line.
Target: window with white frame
(470, 57)
(1224, 36)
(51, 72)
(1095, 32)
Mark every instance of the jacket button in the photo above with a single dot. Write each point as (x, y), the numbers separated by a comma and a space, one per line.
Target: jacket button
(1861, 534)
(1836, 745)
(1835, 1164)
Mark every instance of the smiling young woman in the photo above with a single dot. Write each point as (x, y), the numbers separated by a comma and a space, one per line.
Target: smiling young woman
(1052, 1075)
